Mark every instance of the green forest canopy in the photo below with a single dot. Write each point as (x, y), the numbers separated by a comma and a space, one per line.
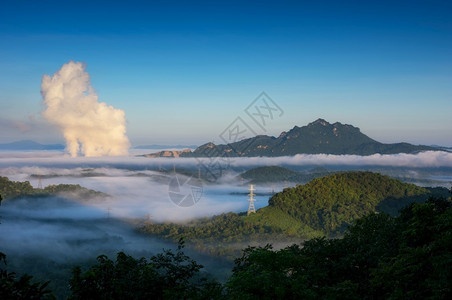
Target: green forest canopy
(12, 189)
(323, 207)
(379, 257)
(276, 174)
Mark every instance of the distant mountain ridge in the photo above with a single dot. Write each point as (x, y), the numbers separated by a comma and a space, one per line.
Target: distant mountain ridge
(168, 153)
(30, 145)
(318, 137)
(165, 147)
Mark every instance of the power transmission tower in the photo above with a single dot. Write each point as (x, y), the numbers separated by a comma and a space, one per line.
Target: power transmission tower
(147, 219)
(251, 207)
(39, 182)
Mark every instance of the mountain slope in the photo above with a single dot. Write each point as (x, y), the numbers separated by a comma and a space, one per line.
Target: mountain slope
(324, 206)
(315, 138)
(16, 189)
(332, 202)
(273, 174)
(30, 145)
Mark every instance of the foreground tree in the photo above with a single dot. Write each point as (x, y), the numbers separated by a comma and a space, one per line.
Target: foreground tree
(12, 287)
(167, 275)
(380, 257)
(422, 268)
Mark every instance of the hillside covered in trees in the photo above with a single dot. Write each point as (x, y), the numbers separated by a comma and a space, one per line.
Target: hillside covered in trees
(12, 189)
(275, 174)
(374, 253)
(331, 203)
(323, 207)
(379, 257)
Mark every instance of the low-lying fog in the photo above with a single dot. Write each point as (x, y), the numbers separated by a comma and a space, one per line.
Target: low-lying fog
(62, 229)
(139, 187)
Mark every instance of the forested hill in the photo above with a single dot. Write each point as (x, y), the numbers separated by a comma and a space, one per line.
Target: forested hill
(331, 203)
(324, 206)
(379, 257)
(13, 189)
(280, 174)
(315, 138)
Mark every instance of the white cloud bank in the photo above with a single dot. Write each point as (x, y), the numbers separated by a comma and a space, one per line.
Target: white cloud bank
(427, 159)
(137, 191)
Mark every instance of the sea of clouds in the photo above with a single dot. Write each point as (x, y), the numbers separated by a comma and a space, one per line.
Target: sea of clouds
(63, 227)
(138, 189)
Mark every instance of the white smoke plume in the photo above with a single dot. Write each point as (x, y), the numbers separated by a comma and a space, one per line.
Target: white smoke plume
(90, 127)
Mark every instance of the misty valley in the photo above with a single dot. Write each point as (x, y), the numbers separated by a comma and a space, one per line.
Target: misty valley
(225, 150)
(58, 213)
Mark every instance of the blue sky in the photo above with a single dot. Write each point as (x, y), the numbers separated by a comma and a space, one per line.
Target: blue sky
(184, 70)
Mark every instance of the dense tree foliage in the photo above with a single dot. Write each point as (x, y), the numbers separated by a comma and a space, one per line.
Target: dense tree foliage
(12, 287)
(167, 275)
(12, 189)
(323, 207)
(281, 174)
(223, 235)
(380, 257)
(331, 203)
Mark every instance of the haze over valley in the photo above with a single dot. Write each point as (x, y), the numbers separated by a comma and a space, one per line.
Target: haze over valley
(225, 150)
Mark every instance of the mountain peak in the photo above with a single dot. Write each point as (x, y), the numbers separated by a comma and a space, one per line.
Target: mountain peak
(319, 121)
(317, 137)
